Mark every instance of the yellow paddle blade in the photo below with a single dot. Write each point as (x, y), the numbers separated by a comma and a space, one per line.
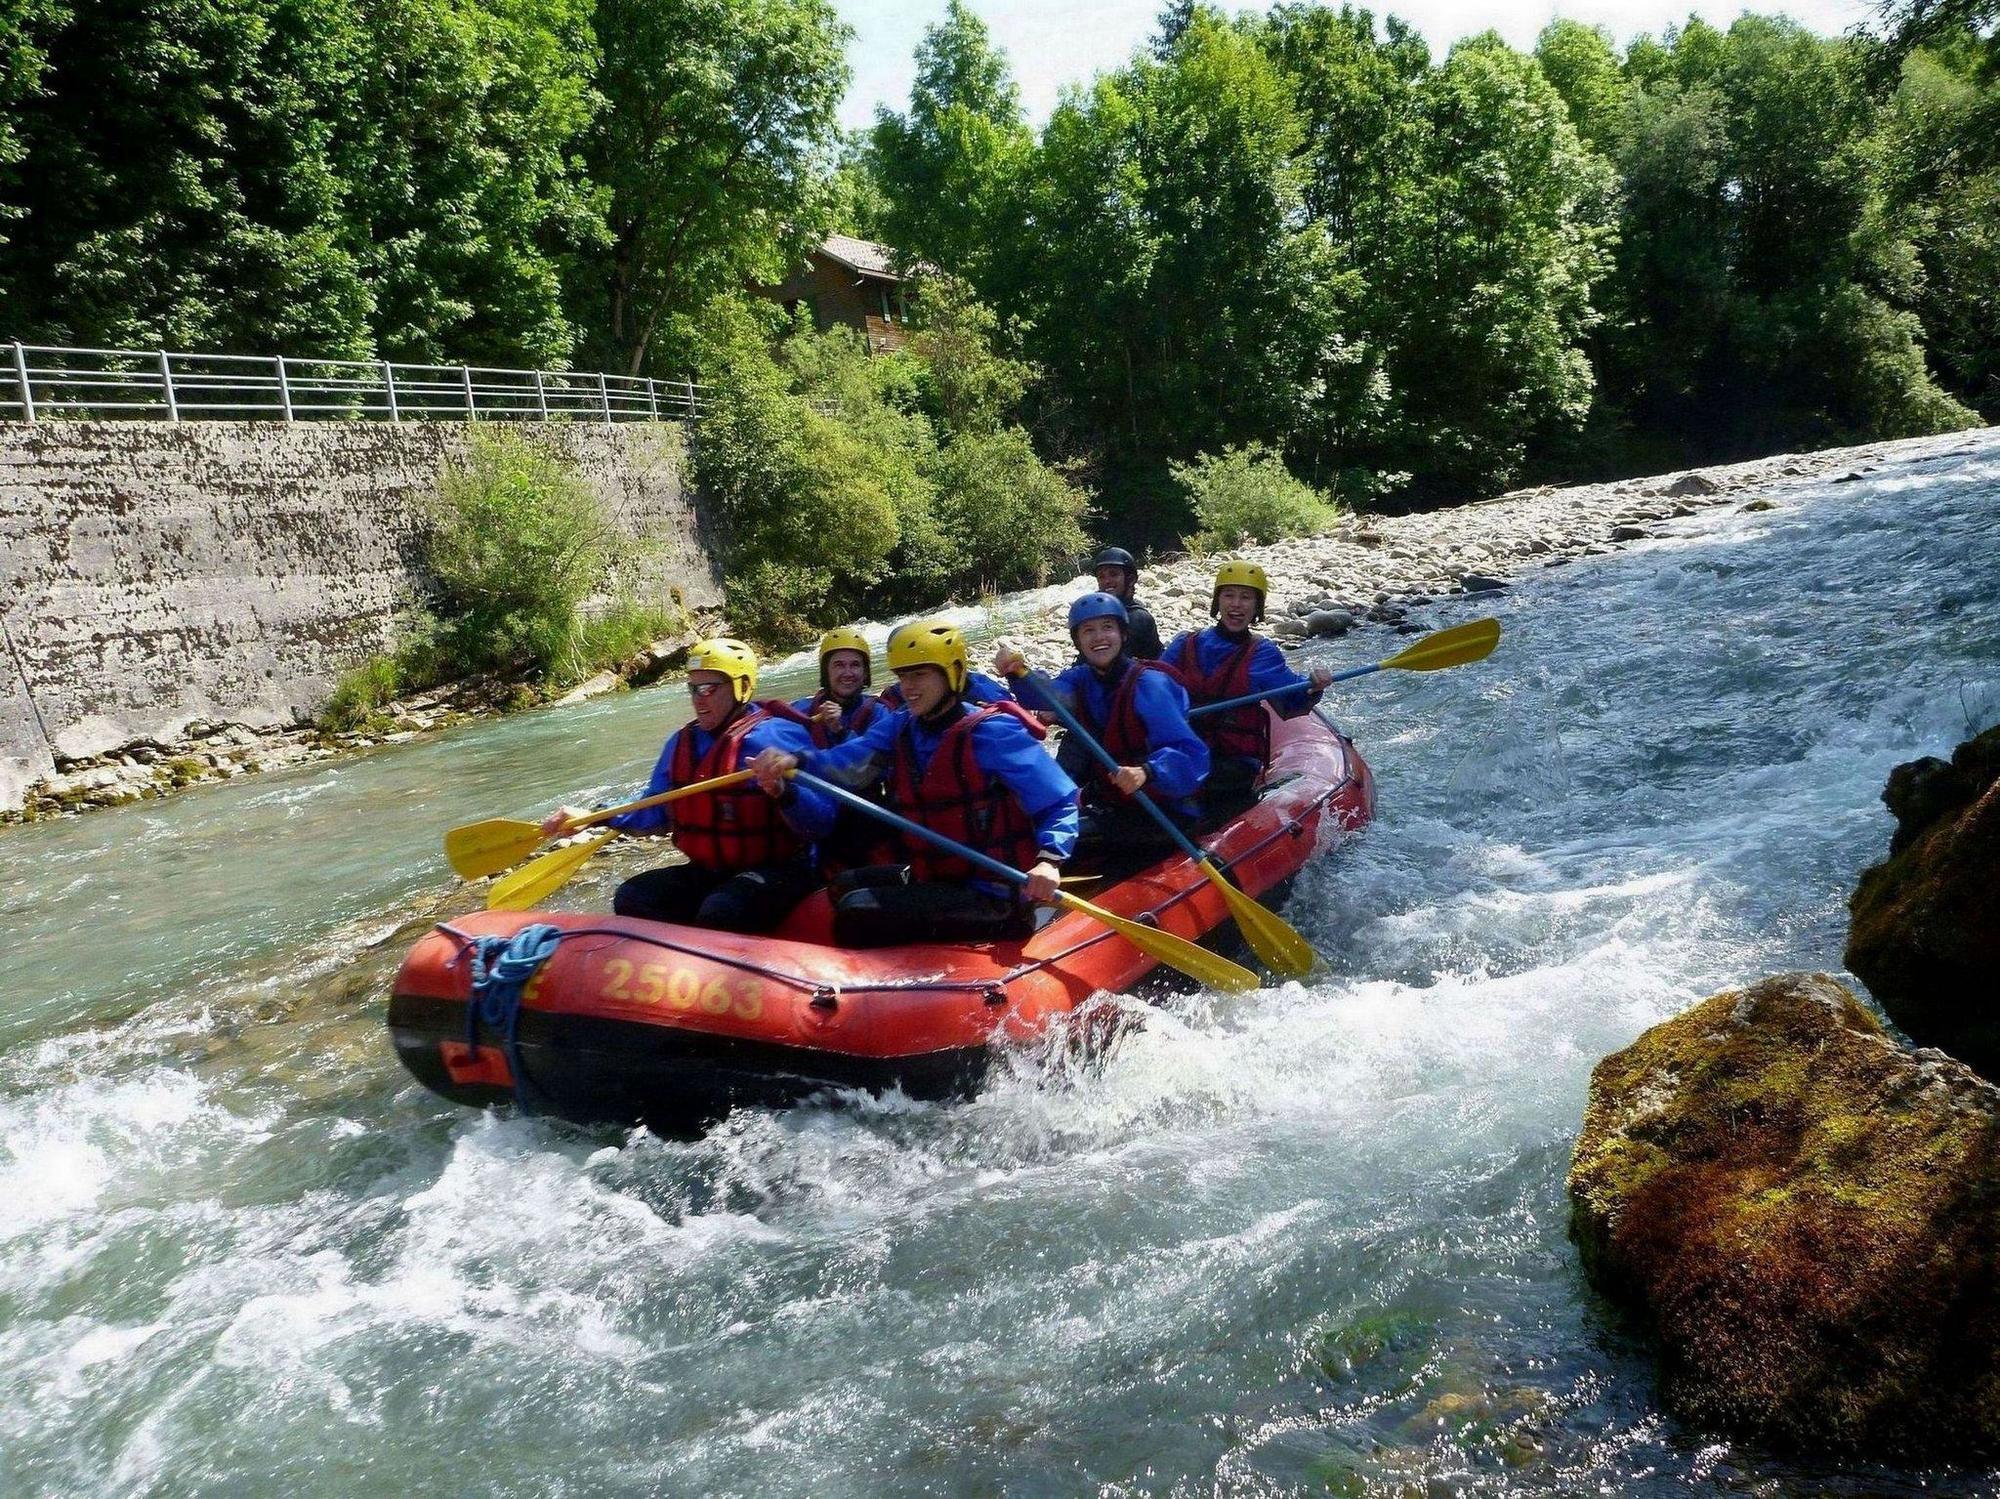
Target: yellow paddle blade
(1471, 641)
(1277, 944)
(1198, 963)
(482, 848)
(533, 883)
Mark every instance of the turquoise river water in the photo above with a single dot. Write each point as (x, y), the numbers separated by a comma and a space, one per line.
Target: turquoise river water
(1307, 1241)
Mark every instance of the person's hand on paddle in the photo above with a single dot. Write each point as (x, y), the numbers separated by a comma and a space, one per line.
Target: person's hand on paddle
(1129, 778)
(827, 715)
(1044, 880)
(771, 769)
(1320, 676)
(557, 823)
(1008, 660)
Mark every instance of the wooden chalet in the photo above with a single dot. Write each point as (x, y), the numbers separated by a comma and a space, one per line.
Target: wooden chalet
(851, 283)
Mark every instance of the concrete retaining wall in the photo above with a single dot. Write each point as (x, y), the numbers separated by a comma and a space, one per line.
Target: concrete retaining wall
(154, 575)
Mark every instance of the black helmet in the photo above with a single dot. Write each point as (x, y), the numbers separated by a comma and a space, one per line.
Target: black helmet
(1114, 557)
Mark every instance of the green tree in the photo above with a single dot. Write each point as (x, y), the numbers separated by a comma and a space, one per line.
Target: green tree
(1940, 169)
(174, 183)
(1189, 300)
(1483, 285)
(1580, 62)
(967, 386)
(714, 146)
(466, 198)
(299, 175)
(1765, 281)
(25, 27)
(1669, 299)
(951, 168)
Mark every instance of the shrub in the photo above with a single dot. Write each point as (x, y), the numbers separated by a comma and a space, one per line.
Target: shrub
(516, 544)
(1011, 516)
(1247, 494)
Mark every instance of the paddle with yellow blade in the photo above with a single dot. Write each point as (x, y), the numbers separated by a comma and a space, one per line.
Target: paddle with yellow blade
(1277, 944)
(1198, 963)
(482, 848)
(1472, 641)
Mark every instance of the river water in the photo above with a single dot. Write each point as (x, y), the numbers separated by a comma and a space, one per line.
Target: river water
(1305, 1241)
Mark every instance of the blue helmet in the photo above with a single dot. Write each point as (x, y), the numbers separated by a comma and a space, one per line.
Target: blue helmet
(1097, 606)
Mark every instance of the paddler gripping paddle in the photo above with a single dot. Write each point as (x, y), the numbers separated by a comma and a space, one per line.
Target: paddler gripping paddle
(1472, 641)
(1198, 963)
(1278, 946)
(482, 848)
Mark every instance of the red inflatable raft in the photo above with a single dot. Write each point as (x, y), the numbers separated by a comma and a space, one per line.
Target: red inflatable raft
(636, 1021)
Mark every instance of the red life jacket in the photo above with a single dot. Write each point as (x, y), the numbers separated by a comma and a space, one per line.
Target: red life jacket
(1124, 737)
(1241, 733)
(957, 798)
(734, 829)
(822, 738)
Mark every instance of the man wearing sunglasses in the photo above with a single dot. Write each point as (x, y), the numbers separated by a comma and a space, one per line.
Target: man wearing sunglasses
(748, 851)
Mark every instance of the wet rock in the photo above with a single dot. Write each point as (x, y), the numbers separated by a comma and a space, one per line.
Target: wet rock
(1924, 931)
(1755, 507)
(597, 686)
(1329, 622)
(1480, 582)
(1630, 533)
(1692, 484)
(1806, 1216)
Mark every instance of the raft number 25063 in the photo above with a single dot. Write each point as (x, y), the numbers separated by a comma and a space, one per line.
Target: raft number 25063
(681, 989)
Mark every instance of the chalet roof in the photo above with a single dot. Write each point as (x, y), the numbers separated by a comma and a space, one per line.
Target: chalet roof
(862, 255)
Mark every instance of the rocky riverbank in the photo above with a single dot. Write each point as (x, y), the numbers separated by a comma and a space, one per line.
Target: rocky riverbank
(1384, 569)
(1378, 570)
(148, 769)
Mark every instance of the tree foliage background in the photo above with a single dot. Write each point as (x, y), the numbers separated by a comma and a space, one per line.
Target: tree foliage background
(1403, 278)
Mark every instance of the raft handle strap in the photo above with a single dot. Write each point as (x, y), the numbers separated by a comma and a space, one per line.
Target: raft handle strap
(501, 969)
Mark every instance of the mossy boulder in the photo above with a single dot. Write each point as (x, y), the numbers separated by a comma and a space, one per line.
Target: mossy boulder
(1925, 924)
(1805, 1214)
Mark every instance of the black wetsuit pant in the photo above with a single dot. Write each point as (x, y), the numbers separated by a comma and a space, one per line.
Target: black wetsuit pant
(1115, 827)
(880, 907)
(744, 900)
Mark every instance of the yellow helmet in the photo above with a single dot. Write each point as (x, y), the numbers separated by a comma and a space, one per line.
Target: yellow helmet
(1239, 574)
(732, 658)
(846, 638)
(930, 642)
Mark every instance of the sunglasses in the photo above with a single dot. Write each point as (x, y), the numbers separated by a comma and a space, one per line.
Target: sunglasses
(700, 690)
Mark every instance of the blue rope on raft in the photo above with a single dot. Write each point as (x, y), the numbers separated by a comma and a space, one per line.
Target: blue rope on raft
(501, 968)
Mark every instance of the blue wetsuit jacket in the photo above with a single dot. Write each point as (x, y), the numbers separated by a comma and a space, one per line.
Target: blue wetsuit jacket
(1176, 756)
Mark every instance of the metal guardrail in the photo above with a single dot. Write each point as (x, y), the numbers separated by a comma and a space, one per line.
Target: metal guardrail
(40, 381)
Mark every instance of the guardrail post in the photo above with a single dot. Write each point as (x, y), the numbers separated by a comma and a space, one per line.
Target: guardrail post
(653, 396)
(389, 389)
(284, 389)
(167, 386)
(21, 374)
(471, 410)
(541, 396)
(604, 397)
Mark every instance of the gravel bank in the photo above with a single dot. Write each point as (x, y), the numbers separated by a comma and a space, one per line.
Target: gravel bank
(1380, 569)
